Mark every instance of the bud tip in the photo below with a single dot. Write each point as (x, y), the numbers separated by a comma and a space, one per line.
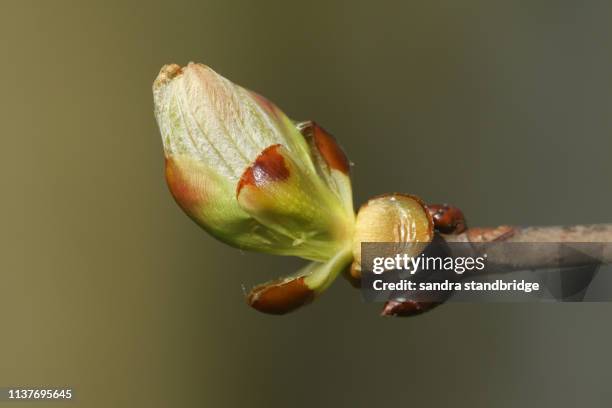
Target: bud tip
(167, 73)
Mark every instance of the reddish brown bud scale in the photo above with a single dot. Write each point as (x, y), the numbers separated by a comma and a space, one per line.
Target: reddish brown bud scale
(280, 297)
(406, 308)
(333, 154)
(326, 145)
(447, 219)
(268, 166)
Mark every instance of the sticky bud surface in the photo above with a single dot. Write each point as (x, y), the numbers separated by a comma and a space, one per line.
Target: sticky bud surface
(398, 218)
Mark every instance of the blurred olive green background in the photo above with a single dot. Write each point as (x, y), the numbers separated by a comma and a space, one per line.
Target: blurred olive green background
(502, 108)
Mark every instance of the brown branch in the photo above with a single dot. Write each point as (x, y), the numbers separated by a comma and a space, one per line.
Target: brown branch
(532, 257)
(539, 256)
(575, 233)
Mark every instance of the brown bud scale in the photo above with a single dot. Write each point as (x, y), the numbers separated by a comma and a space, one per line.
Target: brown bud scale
(268, 166)
(280, 297)
(447, 219)
(326, 144)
